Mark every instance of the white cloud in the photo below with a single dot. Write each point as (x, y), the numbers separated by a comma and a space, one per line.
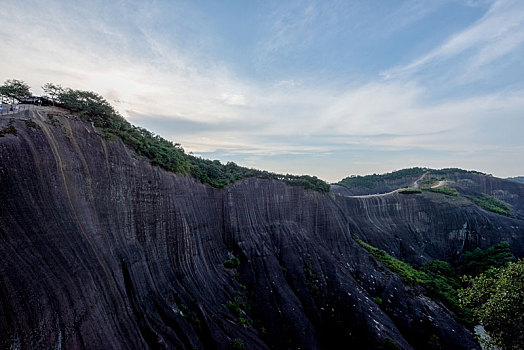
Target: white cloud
(493, 36)
(251, 119)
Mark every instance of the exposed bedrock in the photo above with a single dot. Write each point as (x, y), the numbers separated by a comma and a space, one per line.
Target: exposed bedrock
(101, 250)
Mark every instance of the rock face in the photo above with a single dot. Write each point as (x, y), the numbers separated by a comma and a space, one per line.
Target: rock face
(101, 250)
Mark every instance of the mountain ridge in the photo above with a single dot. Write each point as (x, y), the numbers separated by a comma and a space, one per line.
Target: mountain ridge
(105, 250)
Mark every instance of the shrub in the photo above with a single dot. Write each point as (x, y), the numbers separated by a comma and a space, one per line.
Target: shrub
(409, 191)
(497, 301)
(237, 344)
(479, 261)
(448, 191)
(8, 130)
(161, 152)
(492, 204)
(232, 263)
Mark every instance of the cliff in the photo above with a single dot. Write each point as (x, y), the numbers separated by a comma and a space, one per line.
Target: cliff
(102, 250)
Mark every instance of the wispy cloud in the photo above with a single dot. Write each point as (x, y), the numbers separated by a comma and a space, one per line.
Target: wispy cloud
(161, 79)
(492, 37)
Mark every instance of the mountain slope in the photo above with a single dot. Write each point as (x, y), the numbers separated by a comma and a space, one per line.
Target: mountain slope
(102, 250)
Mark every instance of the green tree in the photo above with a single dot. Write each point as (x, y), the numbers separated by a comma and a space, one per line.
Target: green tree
(53, 92)
(497, 301)
(15, 90)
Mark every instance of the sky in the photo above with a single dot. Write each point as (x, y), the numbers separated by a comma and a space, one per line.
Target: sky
(326, 88)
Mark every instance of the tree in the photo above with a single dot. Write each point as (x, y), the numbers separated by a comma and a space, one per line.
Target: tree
(15, 90)
(53, 92)
(496, 298)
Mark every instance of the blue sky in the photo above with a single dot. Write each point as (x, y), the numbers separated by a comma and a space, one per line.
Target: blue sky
(328, 88)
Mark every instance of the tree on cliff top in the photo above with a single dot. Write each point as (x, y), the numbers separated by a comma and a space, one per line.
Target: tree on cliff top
(15, 90)
(497, 301)
(53, 92)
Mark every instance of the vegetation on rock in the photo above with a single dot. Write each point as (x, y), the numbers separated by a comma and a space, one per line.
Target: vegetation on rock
(497, 301)
(448, 191)
(491, 203)
(370, 181)
(232, 263)
(14, 90)
(480, 261)
(442, 280)
(161, 152)
(10, 129)
(409, 191)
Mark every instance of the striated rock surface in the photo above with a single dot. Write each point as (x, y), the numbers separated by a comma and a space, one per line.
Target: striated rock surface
(101, 250)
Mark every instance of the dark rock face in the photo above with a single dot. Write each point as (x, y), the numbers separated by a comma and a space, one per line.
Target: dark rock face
(101, 250)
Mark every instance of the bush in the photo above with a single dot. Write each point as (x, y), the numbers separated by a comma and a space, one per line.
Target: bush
(8, 130)
(409, 191)
(441, 280)
(497, 301)
(237, 344)
(232, 263)
(492, 204)
(370, 181)
(448, 191)
(161, 152)
(479, 261)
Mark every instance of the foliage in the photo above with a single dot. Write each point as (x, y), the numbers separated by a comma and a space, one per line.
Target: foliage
(370, 181)
(389, 344)
(409, 191)
(491, 203)
(311, 277)
(440, 279)
(237, 344)
(437, 277)
(429, 182)
(10, 129)
(446, 171)
(448, 191)
(479, 261)
(404, 270)
(497, 301)
(15, 90)
(161, 152)
(232, 263)
(53, 92)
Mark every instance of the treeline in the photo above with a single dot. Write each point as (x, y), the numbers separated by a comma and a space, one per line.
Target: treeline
(370, 181)
(171, 156)
(443, 280)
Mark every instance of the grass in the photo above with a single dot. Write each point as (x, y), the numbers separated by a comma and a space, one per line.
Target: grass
(429, 182)
(409, 191)
(491, 203)
(404, 270)
(448, 191)
(438, 277)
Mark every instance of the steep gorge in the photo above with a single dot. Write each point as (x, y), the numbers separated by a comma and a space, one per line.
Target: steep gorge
(102, 250)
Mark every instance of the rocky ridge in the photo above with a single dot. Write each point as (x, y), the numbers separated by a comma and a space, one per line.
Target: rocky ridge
(102, 250)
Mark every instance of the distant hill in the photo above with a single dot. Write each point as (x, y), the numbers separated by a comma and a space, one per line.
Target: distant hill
(516, 179)
(382, 183)
(103, 248)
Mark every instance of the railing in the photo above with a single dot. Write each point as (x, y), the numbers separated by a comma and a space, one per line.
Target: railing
(15, 108)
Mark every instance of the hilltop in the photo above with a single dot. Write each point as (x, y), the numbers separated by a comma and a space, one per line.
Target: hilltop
(110, 241)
